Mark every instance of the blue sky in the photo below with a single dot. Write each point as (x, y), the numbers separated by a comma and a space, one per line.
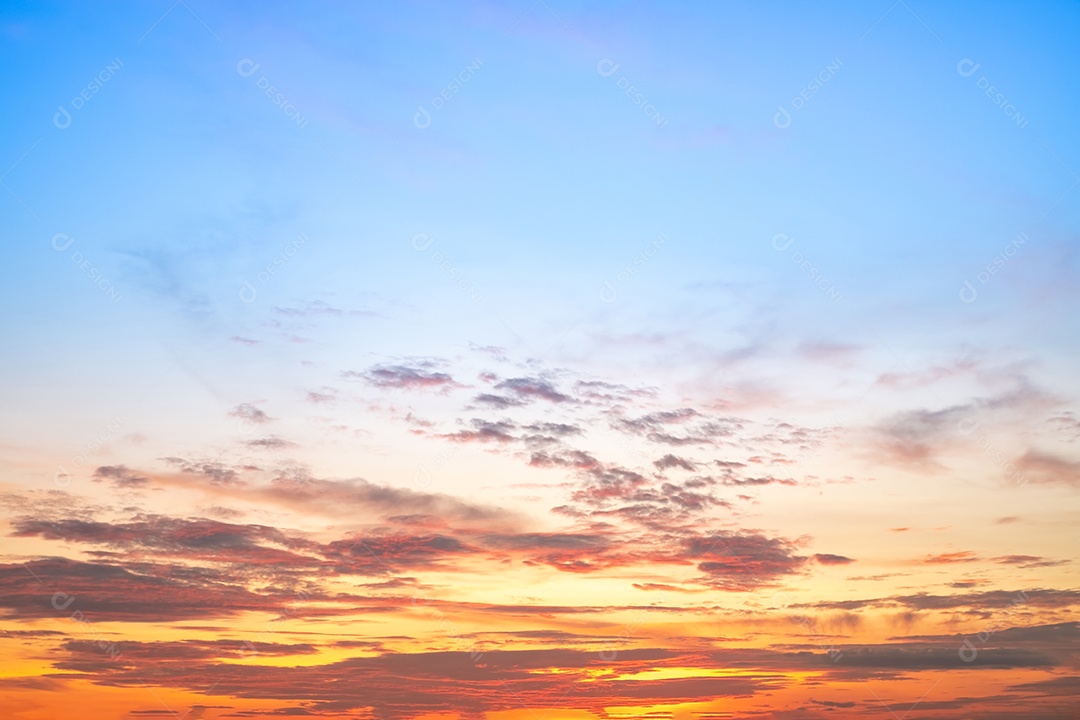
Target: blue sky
(539, 179)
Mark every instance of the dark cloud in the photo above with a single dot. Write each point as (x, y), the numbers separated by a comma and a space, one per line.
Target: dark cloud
(500, 402)
(984, 603)
(120, 477)
(196, 539)
(58, 587)
(403, 377)
(270, 443)
(548, 541)
(550, 428)
(575, 459)
(528, 389)
(698, 429)
(484, 431)
(606, 393)
(250, 413)
(743, 561)
(671, 461)
(376, 554)
(216, 473)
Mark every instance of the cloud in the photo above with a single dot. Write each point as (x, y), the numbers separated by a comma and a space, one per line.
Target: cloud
(346, 497)
(321, 398)
(57, 587)
(964, 556)
(743, 561)
(218, 474)
(606, 393)
(190, 539)
(399, 686)
(830, 559)
(928, 376)
(546, 541)
(403, 377)
(120, 477)
(982, 603)
(914, 438)
(528, 389)
(575, 459)
(653, 426)
(1046, 468)
(498, 401)
(318, 308)
(1028, 561)
(376, 554)
(250, 413)
(671, 461)
(484, 431)
(270, 443)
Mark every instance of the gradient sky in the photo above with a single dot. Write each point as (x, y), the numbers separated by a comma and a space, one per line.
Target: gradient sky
(540, 360)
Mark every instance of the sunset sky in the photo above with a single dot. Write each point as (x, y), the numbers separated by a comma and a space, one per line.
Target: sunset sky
(540, 360)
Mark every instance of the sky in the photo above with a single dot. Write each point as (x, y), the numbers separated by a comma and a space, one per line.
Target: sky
(540, 360)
